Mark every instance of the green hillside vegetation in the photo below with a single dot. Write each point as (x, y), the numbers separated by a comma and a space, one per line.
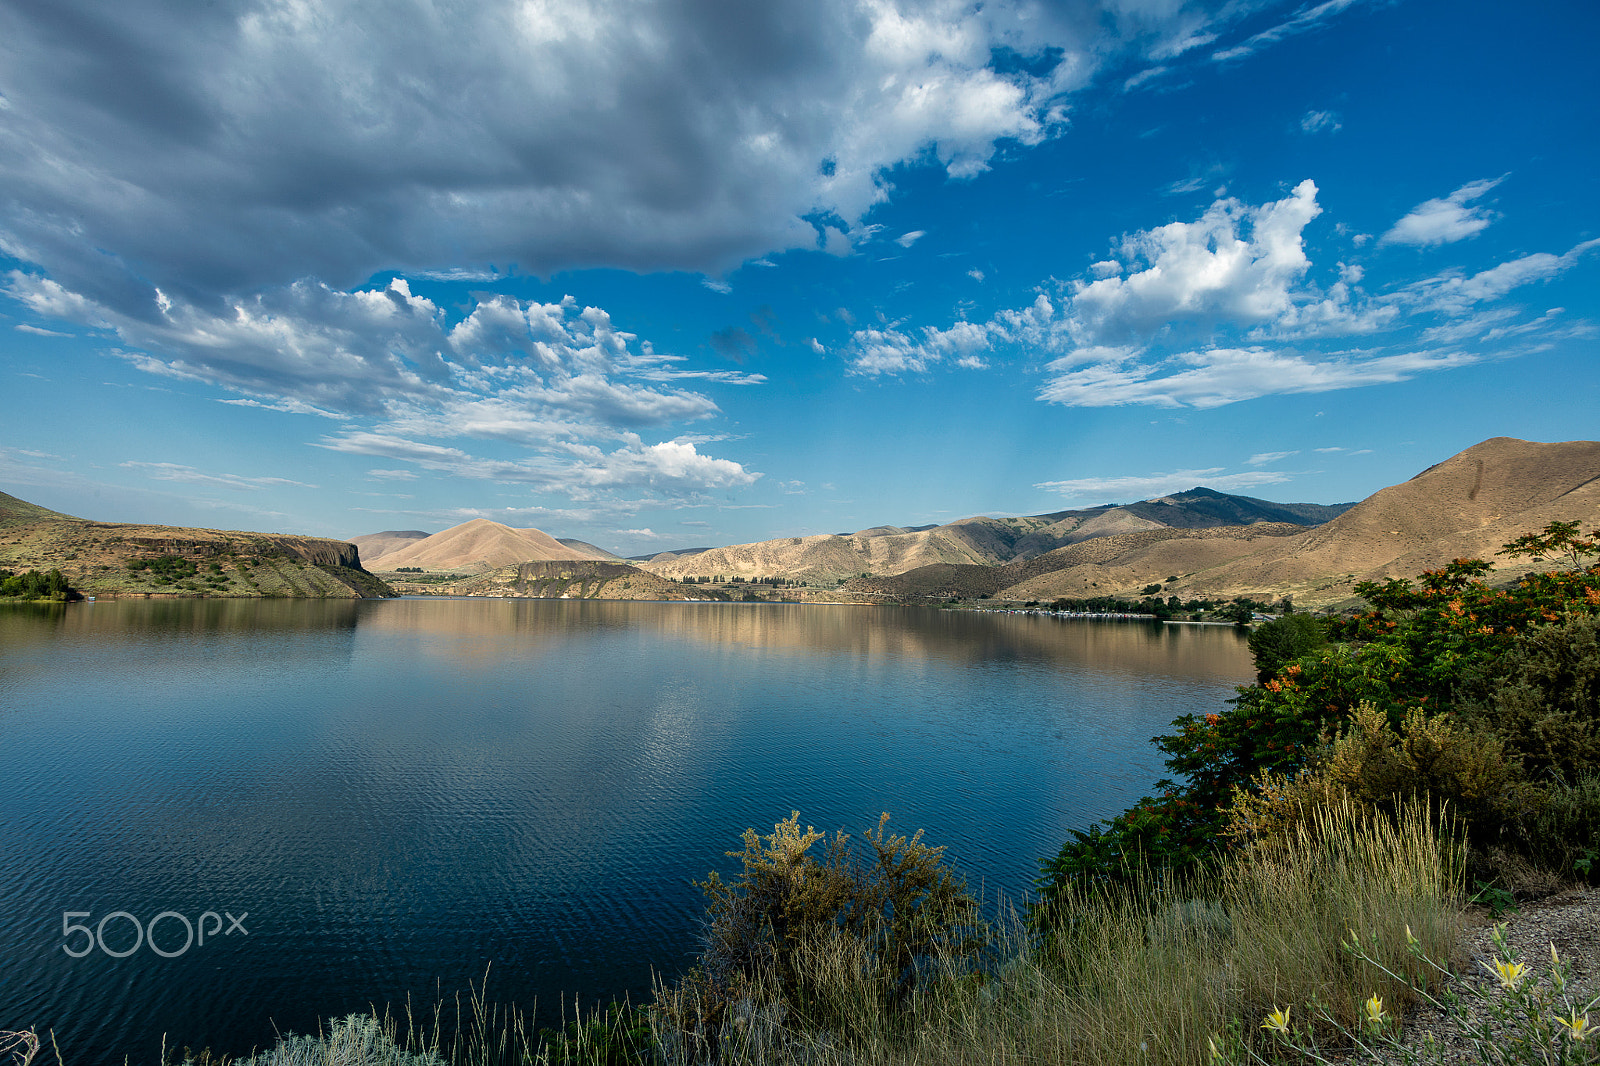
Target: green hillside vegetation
(34, 586)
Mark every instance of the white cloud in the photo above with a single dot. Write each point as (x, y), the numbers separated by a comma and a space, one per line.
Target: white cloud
(1263, 458)
(234, 148)
(672, 467)
(976, 275)
(1235, 262)
(1221, 310)
(1454, 294)
(1305, 19)
(23, 327)
(1444, 221)
(392, 475)
(1320, 122)
(189, 475)
(552, 377)
(906, 240)
(1149, 486)
(1223, 376)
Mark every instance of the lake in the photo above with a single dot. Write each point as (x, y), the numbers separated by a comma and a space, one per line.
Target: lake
(374, 800)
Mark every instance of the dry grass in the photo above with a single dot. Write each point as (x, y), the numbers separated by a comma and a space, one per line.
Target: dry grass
(1133, 976)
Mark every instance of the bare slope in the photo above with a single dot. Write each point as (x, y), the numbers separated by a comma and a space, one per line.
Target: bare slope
(480, 545)
(594, 550)
(1467, 506)
(375, 546)
(978, 541)
(1118, 564)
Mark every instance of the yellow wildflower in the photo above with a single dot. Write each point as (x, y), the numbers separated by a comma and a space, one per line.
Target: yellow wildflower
(1277, 1021)
(1509, 973)
(1374, 1009)
(1577, 1028)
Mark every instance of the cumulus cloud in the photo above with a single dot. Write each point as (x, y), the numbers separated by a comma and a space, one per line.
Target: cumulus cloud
(238, 146)
(1223, 309)
(1444, 221)
(1148, 486)
(230, 148)
(553, 377)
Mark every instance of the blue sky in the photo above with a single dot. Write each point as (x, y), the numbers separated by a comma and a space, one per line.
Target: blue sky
(695, 272)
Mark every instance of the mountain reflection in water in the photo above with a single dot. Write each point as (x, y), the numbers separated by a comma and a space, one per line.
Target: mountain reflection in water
(403, 792)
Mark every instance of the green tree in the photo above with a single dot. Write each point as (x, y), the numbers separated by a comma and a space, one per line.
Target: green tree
(1277, 643)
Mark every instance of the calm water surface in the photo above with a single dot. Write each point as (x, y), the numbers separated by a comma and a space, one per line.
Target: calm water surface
(402, 793)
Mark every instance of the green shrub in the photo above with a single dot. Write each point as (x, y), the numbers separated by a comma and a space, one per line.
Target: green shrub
(1278, 643)
(358, 1040)
(1377, 765)
(1543, 697)
(892, 908)
(35, 586)
(1563, 833)
(1414, 650)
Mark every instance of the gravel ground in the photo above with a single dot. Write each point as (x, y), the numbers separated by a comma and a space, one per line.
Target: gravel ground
(1570, 920)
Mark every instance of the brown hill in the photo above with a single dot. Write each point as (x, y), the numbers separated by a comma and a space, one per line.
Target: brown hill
(1124, 565)
(15, 512)
(480, 545)
(375, 546)
(979, 541)
(594, 550)
(1465, 507)
(1117, 564)
(110, 559)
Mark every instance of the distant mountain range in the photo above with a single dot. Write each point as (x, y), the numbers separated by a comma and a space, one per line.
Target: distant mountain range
(1194, 544)
(480, 545)
(980, 541)
(1467, 506)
